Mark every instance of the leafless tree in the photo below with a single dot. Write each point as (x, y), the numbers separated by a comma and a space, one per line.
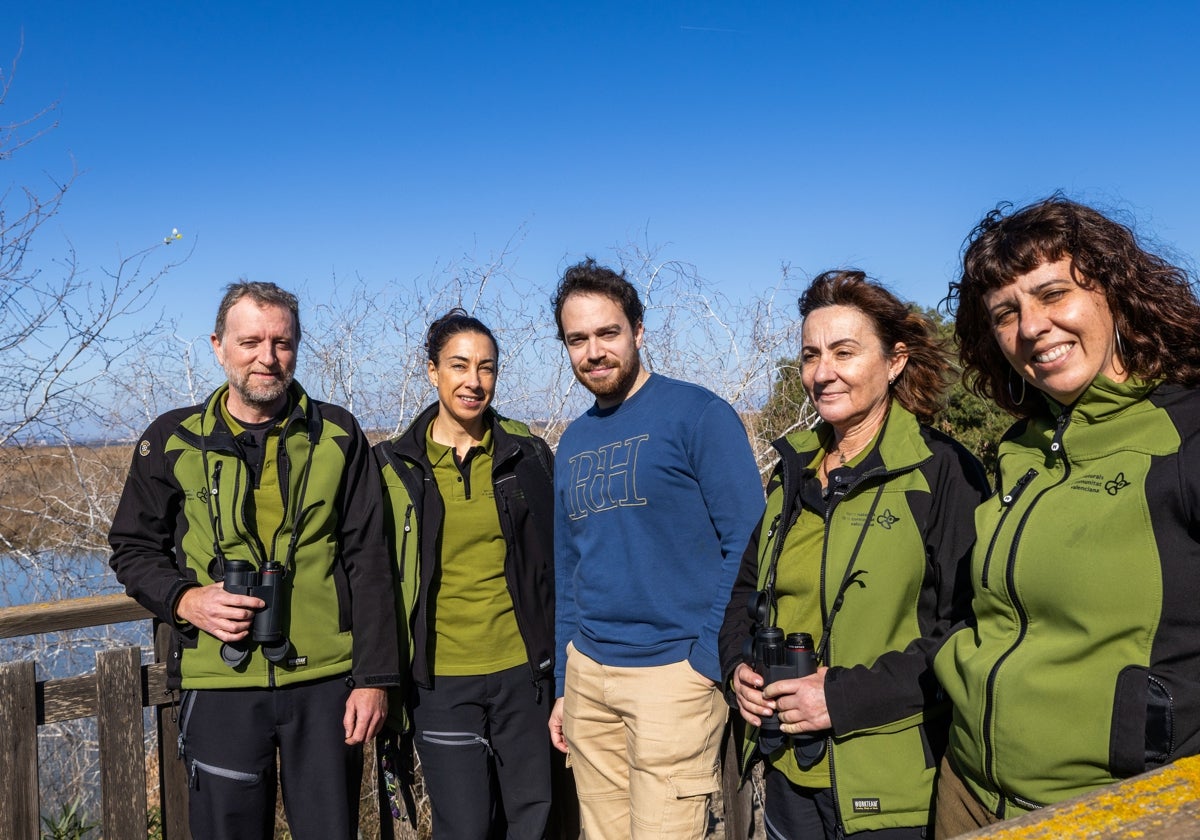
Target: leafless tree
(63, 331)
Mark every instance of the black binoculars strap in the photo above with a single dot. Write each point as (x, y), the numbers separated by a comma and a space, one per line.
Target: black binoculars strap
(849, 577)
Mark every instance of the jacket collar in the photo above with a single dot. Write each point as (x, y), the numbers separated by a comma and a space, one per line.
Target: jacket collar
(411, 443)
(1108, 416)
(218, 436)
(898, 447)
(1104, 399)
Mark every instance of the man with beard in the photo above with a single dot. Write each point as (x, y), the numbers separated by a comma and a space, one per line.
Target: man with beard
(656, 493)
(251, 525)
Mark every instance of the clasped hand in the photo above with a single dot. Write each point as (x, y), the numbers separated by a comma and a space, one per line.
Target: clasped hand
(799, 703)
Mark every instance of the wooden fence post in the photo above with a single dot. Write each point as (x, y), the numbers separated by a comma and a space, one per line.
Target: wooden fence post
(122, 752)
(172, 775)
(18, 751)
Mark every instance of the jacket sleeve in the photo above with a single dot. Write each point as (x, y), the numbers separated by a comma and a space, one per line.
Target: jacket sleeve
(901, 683)
(143, 532)
(732, 490)
(546, 512)
(736, 627)
(566, 559)
(368, 568)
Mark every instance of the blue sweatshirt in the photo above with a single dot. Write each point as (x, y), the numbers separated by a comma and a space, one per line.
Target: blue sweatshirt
(655, 500)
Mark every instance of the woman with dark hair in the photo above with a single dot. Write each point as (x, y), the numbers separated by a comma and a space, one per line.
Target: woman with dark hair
(1082, 665)
(471, 509)
(868, 520)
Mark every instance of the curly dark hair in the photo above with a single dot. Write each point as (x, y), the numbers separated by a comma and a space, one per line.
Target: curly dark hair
(591, 278)
(1153, 302)
(456, 321)
(923, 383)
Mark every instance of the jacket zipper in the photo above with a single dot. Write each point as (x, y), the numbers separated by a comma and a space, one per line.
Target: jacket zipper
(989, 762)
(828, 643)
(882, 474)
(509, 532)
(833, 502)
(1007, 501)
(404, 540)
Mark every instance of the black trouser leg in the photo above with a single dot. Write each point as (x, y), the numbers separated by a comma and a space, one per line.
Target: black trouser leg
(229, 753)
(320, 774)
(230, 741)
(474, 734)
(521, 746)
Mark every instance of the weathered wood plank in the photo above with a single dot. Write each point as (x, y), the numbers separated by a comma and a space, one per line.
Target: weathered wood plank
(1163, 804)
(70, 698)
(52, 616)
(18, 752)
(122, 753)
(172, 776)
(735, 797)
(67, 698)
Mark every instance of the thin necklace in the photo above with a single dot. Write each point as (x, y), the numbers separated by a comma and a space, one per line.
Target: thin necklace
(843, 457)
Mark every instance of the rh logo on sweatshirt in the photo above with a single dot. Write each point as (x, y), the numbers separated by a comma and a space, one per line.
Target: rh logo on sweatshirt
(605, 478)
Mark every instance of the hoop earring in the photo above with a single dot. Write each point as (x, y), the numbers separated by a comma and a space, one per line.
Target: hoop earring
(1120, 346)
(1013, 396)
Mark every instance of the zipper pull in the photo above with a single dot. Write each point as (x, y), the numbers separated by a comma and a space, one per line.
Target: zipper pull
(1059, 428)
(774, 525)
(1012, 495)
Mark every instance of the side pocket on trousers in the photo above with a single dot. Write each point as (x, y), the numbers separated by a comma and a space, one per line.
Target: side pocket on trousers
(1128, 729)
(686, 785)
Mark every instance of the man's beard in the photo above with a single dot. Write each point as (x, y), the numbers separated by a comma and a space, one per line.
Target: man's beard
(261, 396)
(613, 386)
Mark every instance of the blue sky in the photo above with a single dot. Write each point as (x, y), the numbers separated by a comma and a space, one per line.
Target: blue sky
(304, 141)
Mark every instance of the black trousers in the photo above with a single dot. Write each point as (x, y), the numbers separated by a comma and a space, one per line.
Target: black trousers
(799, 813)
(483, 740)
(230, 741)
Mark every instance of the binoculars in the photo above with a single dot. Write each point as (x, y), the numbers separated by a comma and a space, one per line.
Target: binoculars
(241, 578)
(775, 658)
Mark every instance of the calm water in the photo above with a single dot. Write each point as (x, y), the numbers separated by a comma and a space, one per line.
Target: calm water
(56, 578)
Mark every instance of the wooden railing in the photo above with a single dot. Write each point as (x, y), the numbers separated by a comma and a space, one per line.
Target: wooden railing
(115, 695)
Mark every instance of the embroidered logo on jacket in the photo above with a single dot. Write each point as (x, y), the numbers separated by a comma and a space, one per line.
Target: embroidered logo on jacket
(1116, 485)
(866, 806)
(1097, 483)
(886, 520)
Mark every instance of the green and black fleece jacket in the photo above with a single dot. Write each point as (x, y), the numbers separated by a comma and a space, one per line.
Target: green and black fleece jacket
(897, 535)
(190, 491)
(522, 480)
(1082, 664)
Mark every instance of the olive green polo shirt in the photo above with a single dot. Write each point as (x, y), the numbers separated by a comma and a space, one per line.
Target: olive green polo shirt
(475, 626)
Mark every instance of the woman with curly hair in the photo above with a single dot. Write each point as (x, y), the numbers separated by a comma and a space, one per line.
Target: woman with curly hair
(867, 524)
(1082, 665)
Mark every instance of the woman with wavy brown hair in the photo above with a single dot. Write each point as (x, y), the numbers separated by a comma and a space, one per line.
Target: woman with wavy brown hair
(868, 521)
(1083, 663)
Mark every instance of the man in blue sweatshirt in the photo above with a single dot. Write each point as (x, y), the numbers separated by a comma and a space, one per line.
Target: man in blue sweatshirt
(656, 493)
